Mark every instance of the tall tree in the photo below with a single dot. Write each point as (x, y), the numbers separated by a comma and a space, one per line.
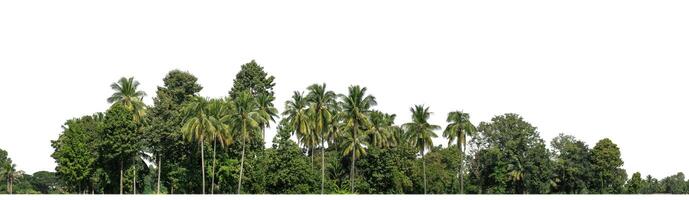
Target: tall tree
(127, 94)
(244, 122)
(267, 111)
(322, 102)
(120, 142)
(608, 176)
(355, 110)
(422, 133)
(217, 111)
(381, 134)
(458, 128)
(572, 164)
(165, 121)
(296, 113)
(76, 151)
(200, 126)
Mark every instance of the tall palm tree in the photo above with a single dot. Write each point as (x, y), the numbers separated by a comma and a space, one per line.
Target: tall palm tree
(458, 128)
(355, 110)
(421, 133)
(127, 94)
(322, 102)
(199, 126)
(267, 111)
(244, 121)
(217, 111)
(296, 114)
(10, 172)
(381, 133)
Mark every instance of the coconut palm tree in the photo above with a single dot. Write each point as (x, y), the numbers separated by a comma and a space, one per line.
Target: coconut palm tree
(199, 126)
(421, 133)
(458, 128)
(127, 94)
(322, 102)
(217, 111)
(267, 111)
(244, 120)
(381, 134)
(355, 110)
(296, 114)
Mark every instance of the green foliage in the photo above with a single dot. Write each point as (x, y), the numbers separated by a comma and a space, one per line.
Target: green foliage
(252, 78)
(572, 165)
(607, 177)
(634, 184)
(76, 150)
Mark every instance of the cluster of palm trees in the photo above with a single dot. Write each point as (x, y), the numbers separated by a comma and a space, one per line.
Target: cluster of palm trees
(348, 122)
(319, 119)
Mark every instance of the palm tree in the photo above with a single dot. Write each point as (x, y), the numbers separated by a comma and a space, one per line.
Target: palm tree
(127, 94)
(421, 133)
(198, 127)
(355, 110)
(322, 102)
(296, 113)
(244, 120)
(217, 110)
(458, 128)
(10, 172)
(267, 111)
(381, 133)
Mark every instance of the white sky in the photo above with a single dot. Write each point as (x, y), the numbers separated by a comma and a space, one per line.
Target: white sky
(591, 68)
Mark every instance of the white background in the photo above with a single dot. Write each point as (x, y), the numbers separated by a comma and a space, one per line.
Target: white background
(590, 68)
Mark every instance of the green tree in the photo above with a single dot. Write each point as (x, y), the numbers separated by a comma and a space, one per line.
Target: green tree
(120, 142)
(421, 133)
(288, 171)
(165, 122)
(76, 151)
(458, 128)
(296, 114)
(244, 121)
(634, 184)
(127, 94)
(322, 102)
(381, 133)
(572, 164)
(252, 78)
(608, 176)
(355, 110)
(200, 126)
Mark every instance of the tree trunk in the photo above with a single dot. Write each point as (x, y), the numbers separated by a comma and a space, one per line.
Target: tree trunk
(213, 170)
(351, 172)
(461, 164)
(241, 167)
(203, 171)
(160, 167)
(134, 178)
(121, 177)
(322, 165)
(311, 151)
(423, 160)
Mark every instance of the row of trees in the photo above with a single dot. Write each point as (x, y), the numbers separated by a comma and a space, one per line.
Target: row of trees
(184, 140)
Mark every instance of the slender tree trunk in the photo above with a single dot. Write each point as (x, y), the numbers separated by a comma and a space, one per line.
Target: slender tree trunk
(241, 167)
(322, 165)
(423, 160)
(121, 176)
(203, 171)
(311, 151)
(213, 170)
(134, 178)
(461, 165)
(160, 167)
(351, 172)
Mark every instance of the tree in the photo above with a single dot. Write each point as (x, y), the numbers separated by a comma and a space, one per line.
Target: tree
(127, 94)
(217, 110)
(608, 176)
(76, 151)
(120, 141)
(458, 128)
(674, 184)
(296, 113)
(200, 126)
(634, 184)
(572, 164)
(381, 133)
(244, 121)
(421, 132)
(322, 102)
(267, 111)
(288, 171)
(355, 110)
(165, 121)
(511, 157)
(253, 79)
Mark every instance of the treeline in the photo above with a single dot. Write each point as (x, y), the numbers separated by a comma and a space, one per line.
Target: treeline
(326, 142)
